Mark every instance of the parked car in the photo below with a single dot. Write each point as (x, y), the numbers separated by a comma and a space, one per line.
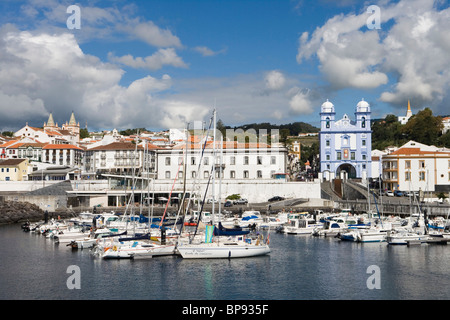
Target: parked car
(398, 193)
(241, 201)
(389, 193)
(228, 203)
(276, 198)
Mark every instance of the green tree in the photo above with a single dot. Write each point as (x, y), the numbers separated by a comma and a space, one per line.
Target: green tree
(423, 127)
(84, 133)
(444, 140)
(387, 132)
(221, 127)
(8, 133)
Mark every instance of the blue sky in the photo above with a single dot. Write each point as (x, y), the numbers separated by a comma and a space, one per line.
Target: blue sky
(161, 64)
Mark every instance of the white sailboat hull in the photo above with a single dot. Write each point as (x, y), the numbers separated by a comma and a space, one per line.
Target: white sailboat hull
(403, 239)
(301, 230)
(140, 251)
(221, 250)
(372, 237)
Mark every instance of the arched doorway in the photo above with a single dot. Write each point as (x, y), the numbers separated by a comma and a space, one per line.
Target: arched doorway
(347, 169)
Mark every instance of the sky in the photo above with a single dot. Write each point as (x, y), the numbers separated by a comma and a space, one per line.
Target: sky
(161, 64)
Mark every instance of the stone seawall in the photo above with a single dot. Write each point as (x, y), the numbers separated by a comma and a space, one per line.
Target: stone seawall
(18, 212)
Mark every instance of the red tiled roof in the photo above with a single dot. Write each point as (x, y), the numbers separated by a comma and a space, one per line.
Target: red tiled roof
(410, 151)
(118, 146)
(7, 144)
(61, 146)
(226, 145)
(11, 162)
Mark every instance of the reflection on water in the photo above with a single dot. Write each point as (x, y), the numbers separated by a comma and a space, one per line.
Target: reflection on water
(299, 267)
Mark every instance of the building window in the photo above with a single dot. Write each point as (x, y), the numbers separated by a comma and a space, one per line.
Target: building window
(206, 161)
(345, 141)
(232, 174)
(273, 160)
(327, 123)
(328, 157)
(407, 176)
(327, 143)
(364, 142)
(352, 155)
(167, 174)
(246, 160)
(232, 161)
(363, 123)
(180, 160)
(422, 164)
(167, 161)
(408, 164)
(258, 160)
(422, 176)
(364, 157)
(180, 174)
(193, 161)
(205, 174)
(338, 155)
(193, 174)
(245, 174)
(259, 174)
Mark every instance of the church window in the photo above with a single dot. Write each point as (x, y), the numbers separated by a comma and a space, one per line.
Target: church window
(345, 141)
(328, 123)
(363, 123)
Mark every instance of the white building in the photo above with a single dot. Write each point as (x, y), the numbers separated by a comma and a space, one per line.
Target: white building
(446, 124)
(118, 158)
(62, 155)
(415, 166)
(245, 161)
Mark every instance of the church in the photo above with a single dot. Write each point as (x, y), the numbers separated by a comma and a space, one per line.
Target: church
(68, 133)
(345, 144)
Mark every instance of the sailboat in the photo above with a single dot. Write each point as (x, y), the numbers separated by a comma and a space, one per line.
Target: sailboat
(411, 233)
(213, 247)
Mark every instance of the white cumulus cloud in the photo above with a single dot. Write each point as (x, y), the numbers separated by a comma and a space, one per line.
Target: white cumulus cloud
(42, 73)
(408, 58)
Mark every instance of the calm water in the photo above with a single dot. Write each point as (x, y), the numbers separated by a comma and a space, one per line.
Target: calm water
(298, 268)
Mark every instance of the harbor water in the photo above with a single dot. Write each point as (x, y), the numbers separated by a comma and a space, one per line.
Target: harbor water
(33, 267)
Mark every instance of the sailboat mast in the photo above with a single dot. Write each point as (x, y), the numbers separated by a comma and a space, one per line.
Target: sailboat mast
(214, 167)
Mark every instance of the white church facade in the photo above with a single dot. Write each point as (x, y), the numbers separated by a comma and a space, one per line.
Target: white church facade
(345, 144)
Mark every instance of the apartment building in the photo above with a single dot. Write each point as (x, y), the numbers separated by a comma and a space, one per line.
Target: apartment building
(14, 170)
(416, 166)
(246, 161)
(120, 158)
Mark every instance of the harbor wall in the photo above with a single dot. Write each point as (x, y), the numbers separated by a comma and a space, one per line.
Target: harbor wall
(401, 209)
